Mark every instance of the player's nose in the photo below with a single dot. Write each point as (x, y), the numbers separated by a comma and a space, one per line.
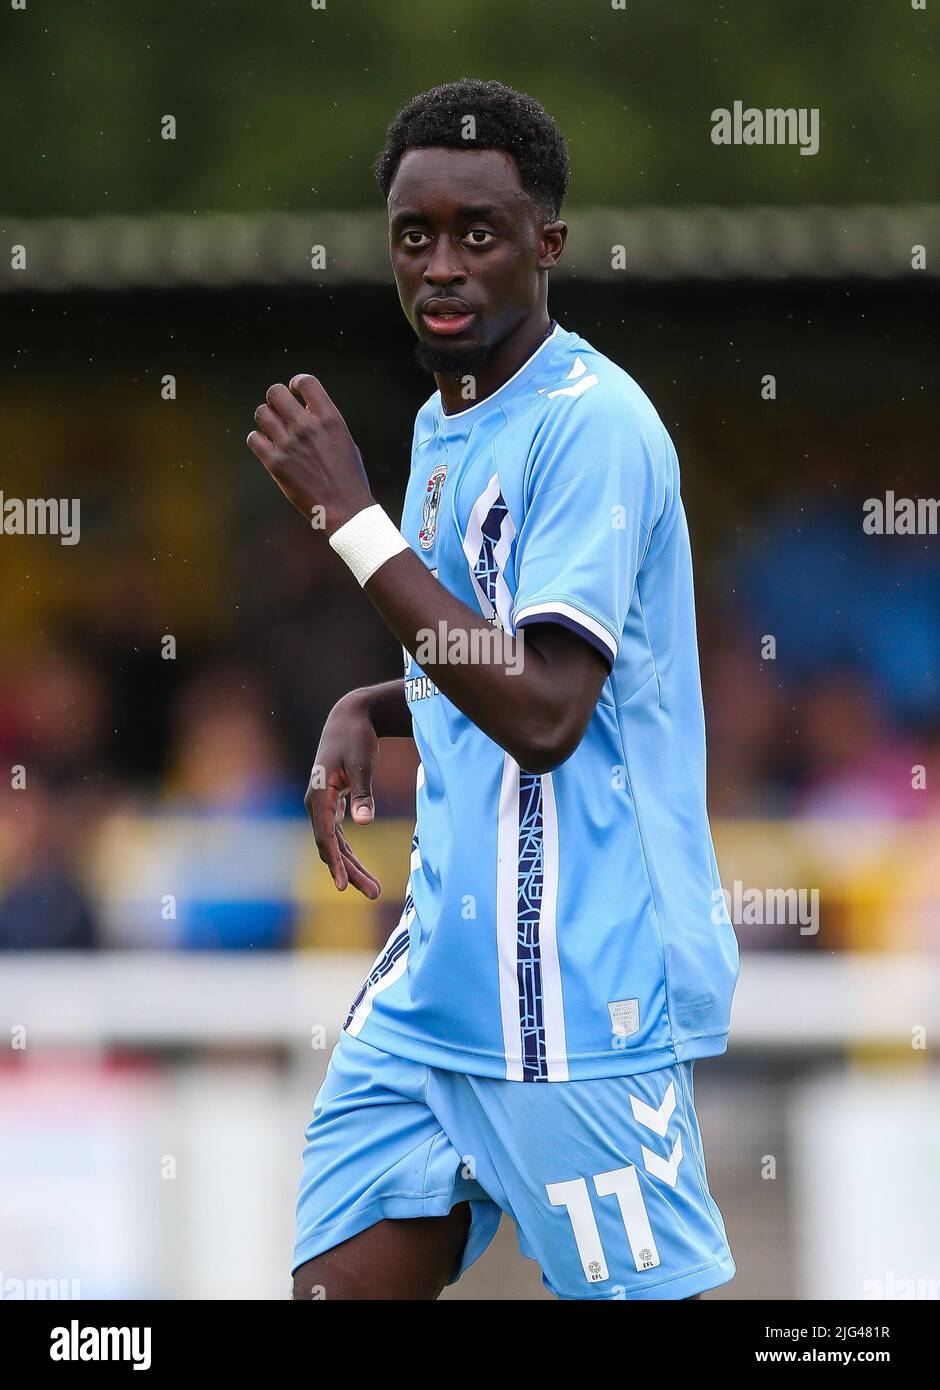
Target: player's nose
(443, 267)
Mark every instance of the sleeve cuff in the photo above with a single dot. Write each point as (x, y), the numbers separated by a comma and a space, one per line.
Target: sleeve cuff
(566, 615)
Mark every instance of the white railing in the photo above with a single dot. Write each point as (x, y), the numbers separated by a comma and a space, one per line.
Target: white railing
(113, 998)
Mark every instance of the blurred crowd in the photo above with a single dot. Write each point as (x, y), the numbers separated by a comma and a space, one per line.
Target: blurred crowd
(821, 671)
(831, 717)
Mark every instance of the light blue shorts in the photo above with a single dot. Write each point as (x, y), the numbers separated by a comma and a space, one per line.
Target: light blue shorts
(605, 1180)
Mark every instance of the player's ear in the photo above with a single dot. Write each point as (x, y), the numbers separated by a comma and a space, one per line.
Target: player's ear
(553, 239)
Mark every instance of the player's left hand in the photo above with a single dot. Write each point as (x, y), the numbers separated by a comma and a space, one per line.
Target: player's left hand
(303, 442)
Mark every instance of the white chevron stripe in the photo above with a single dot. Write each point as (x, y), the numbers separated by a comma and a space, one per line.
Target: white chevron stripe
(666, 1169)
(577, 370)
(584, 384)
(656, 1120)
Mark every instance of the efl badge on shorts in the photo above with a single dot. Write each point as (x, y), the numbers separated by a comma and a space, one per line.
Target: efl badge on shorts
(432, 504)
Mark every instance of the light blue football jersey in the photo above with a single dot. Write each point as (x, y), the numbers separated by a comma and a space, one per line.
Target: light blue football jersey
(565, 925)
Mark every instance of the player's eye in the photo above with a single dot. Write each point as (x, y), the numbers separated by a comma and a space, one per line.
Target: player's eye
(479, 236)
(415, 238)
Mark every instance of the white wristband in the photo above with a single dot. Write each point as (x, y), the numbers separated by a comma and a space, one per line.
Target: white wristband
(366, 541)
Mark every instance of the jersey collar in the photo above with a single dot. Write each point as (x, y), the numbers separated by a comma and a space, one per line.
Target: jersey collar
(461, 422)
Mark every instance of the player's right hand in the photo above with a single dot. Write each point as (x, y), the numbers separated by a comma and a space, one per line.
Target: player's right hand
(345, 762)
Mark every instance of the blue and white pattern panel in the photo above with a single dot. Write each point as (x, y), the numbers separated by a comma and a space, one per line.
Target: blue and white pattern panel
(528, 957)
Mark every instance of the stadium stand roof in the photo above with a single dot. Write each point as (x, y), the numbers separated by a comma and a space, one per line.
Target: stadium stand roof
(658, 243)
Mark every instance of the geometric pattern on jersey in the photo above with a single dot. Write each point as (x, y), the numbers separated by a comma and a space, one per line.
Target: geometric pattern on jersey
(528, 958)
(531, 1008)
(486, 569)
(487, 546)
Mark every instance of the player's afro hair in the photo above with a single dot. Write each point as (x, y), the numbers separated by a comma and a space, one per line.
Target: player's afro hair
(505, 120)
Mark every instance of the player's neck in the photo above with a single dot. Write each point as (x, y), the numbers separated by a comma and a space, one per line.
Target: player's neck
(511, 354)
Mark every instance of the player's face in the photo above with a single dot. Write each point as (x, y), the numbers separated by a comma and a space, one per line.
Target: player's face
(466, 246)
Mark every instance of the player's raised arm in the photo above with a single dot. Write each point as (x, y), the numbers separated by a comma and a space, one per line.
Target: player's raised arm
(533, 698)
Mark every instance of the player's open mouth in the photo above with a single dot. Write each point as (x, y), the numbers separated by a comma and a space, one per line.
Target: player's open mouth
(447, 322)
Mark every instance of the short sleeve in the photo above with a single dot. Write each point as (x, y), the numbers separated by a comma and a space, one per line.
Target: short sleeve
(593, 495)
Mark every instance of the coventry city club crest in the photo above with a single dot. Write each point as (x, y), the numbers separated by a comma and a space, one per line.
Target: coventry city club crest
(432, 504)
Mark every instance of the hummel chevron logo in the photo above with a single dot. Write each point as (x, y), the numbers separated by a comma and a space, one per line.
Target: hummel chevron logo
(656, 1120)
(582, 383)
(667, 1169)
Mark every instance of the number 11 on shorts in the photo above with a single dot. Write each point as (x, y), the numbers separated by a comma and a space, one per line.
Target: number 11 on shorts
(624, 1184)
